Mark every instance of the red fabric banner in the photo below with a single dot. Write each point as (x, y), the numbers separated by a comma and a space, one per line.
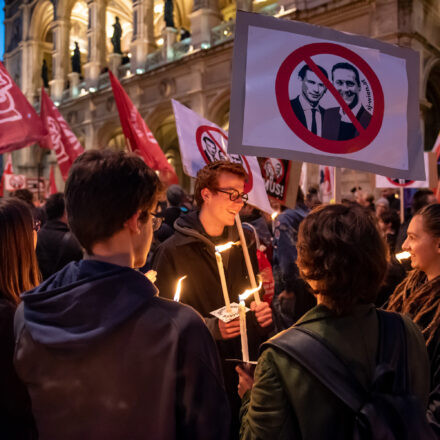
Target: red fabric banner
(139, 137)
(20, 125)
(52, 184)
(61, 138)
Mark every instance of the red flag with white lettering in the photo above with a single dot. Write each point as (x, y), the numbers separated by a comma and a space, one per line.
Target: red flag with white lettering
(61, 138)
(20, 125)
(140, 138)
(52, 184)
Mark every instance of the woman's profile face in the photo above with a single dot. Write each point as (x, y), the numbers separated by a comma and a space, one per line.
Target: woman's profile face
(423, 247)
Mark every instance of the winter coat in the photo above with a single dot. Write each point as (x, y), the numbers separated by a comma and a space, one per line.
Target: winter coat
(288, 402)
(56, 246)
(16, 421)
(103, 358)
(190, 252)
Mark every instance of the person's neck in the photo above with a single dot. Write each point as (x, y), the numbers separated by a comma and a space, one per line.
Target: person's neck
(211, 226)
(354, 103)
(115, 250)
(433, 271)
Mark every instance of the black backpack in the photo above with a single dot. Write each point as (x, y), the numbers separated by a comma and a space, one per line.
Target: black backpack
(387, 411)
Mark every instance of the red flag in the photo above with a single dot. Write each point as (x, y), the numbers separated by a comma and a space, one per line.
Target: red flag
(140, 138)
(20, 125)
(436, 147)
(60, 138)
(52, 184)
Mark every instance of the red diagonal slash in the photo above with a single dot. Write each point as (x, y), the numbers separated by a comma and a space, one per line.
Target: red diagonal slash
(335, 93)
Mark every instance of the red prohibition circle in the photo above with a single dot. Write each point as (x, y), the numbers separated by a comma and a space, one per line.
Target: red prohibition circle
(282, 94)
(208, 129)
(277, 179)
(401, 185)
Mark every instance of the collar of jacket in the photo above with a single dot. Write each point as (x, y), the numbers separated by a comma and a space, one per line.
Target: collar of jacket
(192, 234)
(321, 312)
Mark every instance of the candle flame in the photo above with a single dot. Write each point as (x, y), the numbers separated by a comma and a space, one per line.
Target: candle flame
(178, 289)
(403, 256)
(274, 215)
(249, 292)
(226, 246)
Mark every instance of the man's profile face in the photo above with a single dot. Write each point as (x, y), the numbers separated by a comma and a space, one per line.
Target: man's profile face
(278, 169)
(345, 82)
(312, 87)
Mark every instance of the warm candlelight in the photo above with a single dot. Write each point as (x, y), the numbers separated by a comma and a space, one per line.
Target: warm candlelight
(274, 215)
(178, 288)
(403, 256)
(249, 292)
(221, 272)
(151, 275)
(243, 332)
(226, 246)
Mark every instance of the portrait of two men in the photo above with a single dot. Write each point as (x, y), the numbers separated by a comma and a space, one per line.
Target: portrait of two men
(330, 123)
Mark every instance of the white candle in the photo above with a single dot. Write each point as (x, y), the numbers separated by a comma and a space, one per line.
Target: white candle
(243, 332)
(178, 289)
(247, 259)
(221, 272)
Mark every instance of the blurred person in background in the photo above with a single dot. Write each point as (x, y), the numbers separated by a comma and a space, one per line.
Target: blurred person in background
(18, 273)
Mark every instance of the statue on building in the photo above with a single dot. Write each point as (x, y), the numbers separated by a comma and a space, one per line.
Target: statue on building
(76, 59)
(116, 38)
(45, 74)
(168, 13)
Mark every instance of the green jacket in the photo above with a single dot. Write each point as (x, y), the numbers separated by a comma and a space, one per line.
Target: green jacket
(287, 402)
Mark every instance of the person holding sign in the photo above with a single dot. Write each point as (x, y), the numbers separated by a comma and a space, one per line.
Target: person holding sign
(219, 193)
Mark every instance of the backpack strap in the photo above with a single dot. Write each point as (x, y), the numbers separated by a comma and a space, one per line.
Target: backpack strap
(314, 354)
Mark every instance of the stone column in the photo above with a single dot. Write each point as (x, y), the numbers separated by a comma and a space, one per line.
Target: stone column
(60, 54)
(96, 52)
(169, 38)
(74, 83)
(204, 17)
(114, 62)
(143, 34)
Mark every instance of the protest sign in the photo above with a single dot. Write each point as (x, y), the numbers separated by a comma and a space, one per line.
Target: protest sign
(202, 142)
(275, 173)
(430, 161)
(314, 94)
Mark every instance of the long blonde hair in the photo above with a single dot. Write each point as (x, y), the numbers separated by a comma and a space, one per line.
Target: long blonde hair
(18, 262)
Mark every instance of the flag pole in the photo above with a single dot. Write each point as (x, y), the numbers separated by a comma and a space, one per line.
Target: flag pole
(402, 206)
(337, 184)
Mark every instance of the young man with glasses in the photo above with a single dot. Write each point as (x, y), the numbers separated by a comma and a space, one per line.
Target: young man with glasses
(219, 193)
(102, 355)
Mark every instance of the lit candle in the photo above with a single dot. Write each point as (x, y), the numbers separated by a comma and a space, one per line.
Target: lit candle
(178, 289)
(243, 332)
(221, 272)
(403, 256)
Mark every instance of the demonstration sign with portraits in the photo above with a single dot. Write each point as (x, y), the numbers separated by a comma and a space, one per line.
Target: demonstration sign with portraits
(276, 173)
(202, 142)
(314, 94)
(430, 161)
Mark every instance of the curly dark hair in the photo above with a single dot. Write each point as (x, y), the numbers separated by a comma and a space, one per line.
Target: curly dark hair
(207, 177)
(340, 247)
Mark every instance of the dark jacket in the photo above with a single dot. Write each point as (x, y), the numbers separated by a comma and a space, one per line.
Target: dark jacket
(288, 402)
(56, 246)
(16, 421)
(191, 252)
(104, 358)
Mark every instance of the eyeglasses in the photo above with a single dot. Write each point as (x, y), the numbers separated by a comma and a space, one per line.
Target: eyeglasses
(234, 194)
(37, 225)
(156, 219)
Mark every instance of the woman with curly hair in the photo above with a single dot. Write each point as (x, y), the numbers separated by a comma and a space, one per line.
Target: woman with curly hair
(18, 273)
(343, 258)
(418, 295)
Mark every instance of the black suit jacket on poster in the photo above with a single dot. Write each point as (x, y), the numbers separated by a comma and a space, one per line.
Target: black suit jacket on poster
(299, 111)
(332, 122)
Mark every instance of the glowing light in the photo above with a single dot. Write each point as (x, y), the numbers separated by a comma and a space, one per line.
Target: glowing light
(274, 215)
(178, 289)
(226, 246)
(159, 42)
(403, 256)
(249, 292)
(158, 9)
(151, 275)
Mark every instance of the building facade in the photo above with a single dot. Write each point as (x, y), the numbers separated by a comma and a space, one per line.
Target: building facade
(182, 49)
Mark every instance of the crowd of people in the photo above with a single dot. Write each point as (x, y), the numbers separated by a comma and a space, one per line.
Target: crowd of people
(95, 345)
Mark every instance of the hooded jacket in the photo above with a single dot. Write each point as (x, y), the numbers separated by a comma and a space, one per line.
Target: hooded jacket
(104, 358)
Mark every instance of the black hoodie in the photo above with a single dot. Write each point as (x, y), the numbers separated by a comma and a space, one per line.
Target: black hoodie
(104, 357)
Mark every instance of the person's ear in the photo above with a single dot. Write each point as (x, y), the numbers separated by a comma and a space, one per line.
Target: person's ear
(132, 224)
(206, 194)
